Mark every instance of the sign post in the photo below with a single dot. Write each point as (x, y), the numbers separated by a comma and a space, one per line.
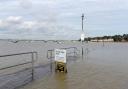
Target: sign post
(60, 60)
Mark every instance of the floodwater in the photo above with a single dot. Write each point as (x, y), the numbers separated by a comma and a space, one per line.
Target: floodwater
(101, 67)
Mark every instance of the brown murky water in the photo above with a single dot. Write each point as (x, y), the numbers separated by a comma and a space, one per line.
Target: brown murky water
(102, 67)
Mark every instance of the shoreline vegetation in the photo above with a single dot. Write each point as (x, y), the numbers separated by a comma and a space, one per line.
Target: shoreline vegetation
(115, 38)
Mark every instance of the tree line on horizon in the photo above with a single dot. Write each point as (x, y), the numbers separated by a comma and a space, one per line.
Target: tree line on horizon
(116, 38)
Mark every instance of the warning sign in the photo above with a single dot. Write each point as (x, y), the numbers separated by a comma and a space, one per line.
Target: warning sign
(60, 55)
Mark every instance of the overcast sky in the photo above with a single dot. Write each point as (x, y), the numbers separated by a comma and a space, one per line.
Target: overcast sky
(61, 19)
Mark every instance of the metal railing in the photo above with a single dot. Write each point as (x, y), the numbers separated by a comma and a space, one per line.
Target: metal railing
(70, 51)
(33, 54)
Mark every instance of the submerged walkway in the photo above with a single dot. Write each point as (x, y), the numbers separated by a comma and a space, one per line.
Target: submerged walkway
(101, 68)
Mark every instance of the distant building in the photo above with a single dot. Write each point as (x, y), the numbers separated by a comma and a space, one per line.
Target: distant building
(102, 40)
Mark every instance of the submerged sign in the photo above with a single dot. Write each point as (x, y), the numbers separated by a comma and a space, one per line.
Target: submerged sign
(60, 55)
(82, 37)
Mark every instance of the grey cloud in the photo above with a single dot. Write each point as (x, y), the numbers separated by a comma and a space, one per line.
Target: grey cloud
(18, 26)
(53, 18)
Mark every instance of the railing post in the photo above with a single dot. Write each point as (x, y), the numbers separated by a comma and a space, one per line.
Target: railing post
(51, 61)
(32, 65)
(51, 54)
(36, 55)
(74, 52)
(47, 54)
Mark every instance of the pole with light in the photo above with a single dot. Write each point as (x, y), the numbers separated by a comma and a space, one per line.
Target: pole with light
(82, 35)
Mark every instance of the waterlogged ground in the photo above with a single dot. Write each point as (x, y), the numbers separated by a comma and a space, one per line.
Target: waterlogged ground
(102, 67)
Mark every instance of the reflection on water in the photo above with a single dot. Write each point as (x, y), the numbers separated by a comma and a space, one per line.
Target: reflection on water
(61, 80)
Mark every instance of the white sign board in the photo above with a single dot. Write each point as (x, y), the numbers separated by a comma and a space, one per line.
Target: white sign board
(60, 55)
(82, 37)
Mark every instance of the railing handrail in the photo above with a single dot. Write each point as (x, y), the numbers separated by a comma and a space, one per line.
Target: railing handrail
(15, 65)
(69, 48)
(52, 50)
(32, 61)
(17, 54)
(63, 48)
